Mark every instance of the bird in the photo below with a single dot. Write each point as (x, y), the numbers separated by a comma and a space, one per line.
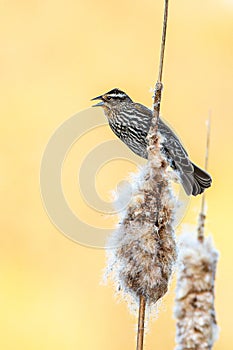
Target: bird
(130, 121)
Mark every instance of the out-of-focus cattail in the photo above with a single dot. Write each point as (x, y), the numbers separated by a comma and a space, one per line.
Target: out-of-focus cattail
(194, 308)
(194, 304)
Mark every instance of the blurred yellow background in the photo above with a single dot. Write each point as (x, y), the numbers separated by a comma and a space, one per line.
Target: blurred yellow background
(55, 56)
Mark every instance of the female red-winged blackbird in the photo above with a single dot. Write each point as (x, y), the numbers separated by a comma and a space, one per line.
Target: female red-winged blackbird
(131, 122)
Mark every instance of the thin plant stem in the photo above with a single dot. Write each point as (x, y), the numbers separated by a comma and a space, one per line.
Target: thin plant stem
(162, 49)
(159, 85)
(202, 215)
(141, 322)
(155, 121)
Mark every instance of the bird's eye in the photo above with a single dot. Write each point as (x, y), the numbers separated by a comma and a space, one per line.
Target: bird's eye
(109, 98)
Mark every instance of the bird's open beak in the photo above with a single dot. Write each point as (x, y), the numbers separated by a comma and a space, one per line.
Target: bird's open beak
(101, 103)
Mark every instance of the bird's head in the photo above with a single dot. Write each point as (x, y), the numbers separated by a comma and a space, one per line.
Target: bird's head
(111, 99)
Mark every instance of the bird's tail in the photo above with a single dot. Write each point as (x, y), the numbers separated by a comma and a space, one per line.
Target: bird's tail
(195, 183)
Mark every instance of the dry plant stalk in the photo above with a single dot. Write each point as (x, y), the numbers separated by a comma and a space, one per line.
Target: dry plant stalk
(194, 306)
(202, 216)
(141, 264)
(141, 322)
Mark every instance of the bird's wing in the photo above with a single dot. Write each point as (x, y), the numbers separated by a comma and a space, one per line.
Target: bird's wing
(175, 149)
(172, 145)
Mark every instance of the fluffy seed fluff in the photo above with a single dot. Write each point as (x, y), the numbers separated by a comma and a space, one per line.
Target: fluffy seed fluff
(194, 305)
(145, 249)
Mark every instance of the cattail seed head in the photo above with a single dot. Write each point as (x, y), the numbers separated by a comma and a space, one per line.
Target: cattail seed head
(141, 264)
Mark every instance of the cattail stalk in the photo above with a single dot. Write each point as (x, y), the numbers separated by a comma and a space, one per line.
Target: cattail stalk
(194, 305)
(202, 216)
(141, 264)
(141, 322)
(159, 85)
(154, 127)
